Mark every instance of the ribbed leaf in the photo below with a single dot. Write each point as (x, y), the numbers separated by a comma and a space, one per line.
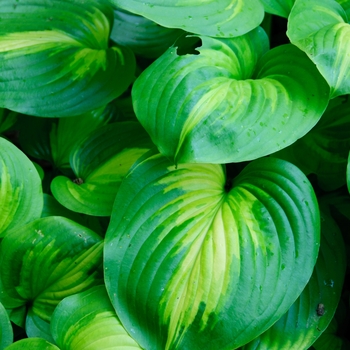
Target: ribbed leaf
(185, 260)
(324, 150)
(221, 18)
(230, 102)
(87, 321)
(36, 327)
(32, 344)
(55, 59)
(100, 162)
(278, 7)
(145, 38)
(47, 260)
(321, 29)
(312, 312)
(6, 333)
(21, 198)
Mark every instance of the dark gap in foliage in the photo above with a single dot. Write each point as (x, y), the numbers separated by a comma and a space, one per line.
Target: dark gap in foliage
(278, 30)
(188, 45)
(232, 171)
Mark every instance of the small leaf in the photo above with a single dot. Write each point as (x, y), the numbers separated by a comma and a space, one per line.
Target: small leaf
(221, 18)
(47, 260)
(278, 7)
(21, 197)
(32, 344)
(321, 29)
(87, 321)
(36, 327)
(56, 61)
(185, 259)
(100, 162)
(6, 333)
(232, 102)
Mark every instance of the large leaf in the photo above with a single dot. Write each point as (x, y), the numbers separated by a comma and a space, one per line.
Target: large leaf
(32, 344)
(21, 198)
(6, 333)
(221, 18)
(87, 321)
(100, 162)
(230, 102)
(324, 150)
(312, 312)
(189, 265)
(47, 260)
(144, 37)
(321, 29)
(55, 59)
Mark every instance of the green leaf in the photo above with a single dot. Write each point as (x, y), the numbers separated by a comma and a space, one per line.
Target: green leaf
(21, 197)
(348, 173)
(144, 37)
(6, 333)
(185, 259)
(46, 260)
(324, 150)
(87, 321)
(56, 61)
(321, 29)
(7, 119)
(278, 7)
(36, 327)
(100, 162)
(230, 102)
(312, 312)
(32, 344)
(221, 18)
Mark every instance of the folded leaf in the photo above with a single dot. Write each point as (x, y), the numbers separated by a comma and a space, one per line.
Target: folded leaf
(185, 259)
(46, 260)
(221, 18)
(55, 61)
(21, 198)
(231, 101)
(100, 162)
(321, 29)
(87, 321)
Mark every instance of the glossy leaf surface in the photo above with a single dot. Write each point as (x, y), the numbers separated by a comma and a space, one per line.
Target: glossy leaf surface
(21, 198)
(56, 60)
(184, 259)
(221, 18)
(87, 321)
(6, 333)
(321, 28)
(32, 344)
(47, 260)
(232, 101)
(100, 163)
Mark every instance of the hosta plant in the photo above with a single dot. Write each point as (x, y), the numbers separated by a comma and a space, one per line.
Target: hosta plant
(174, 175)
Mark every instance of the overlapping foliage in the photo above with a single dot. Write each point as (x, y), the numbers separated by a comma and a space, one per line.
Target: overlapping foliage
(171, 177)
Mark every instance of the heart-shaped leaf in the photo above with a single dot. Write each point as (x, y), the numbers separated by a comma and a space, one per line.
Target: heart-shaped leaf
(324, 150)
(185, 259)
(100, 162)
(312, 312)
(146, 38)
(321, 28)
(55, 60)
(32, 344)
(21, 198)
(87, 321)
(231, 101)
(221, 18)
(47, 260)
(6, 333)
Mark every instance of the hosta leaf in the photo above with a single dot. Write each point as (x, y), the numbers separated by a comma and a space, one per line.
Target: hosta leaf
(185, 260)
(21, 197)
(230, 102)
(278, 7)
(145, 38)
(222, 18)
(32, 344)
(87, 321)
(47, 260)
(100, 163)
(312, 312)
(6, 333)
(324, 150)
(321, 29)
(36, 327)
(7, 119)
(55, 61)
